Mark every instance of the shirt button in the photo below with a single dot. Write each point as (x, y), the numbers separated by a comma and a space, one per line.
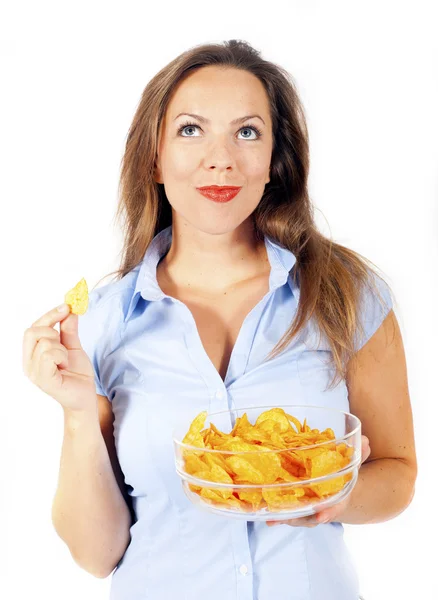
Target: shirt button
(243, 569)
(219, 395)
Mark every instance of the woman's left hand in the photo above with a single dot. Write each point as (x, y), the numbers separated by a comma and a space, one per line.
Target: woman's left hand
(328, 514)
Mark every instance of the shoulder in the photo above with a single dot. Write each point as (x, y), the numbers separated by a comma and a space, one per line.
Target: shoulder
(377, 289)
(113, 297)
(106, 309)
(375, 303)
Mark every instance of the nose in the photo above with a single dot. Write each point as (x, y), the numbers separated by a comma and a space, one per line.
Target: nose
(219, 167)
(220, 159)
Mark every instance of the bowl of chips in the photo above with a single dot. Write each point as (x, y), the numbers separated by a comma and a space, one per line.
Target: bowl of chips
(268, 463)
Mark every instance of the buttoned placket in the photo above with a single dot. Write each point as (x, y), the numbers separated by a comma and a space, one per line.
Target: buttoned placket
(220, 400)
(217, 392)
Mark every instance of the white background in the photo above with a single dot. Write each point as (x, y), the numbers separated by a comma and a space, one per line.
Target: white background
(71, 76)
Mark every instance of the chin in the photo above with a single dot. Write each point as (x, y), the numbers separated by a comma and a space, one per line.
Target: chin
(217, 227)
(211, 223)
(214, 228)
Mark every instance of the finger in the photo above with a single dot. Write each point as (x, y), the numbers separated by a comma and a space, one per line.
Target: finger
(326, 516)
(68, 330)
(45, 346)
(332, 513)
(309, 521)
(365, 449)
(48, 366)
(52, 317)
(366, 455)
(48, 320)
(30, 340)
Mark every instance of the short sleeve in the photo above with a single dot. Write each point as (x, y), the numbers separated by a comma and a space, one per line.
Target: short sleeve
(376, 302)
(94, 334)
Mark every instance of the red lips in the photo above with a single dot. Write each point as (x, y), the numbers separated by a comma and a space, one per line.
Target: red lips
(218, 193)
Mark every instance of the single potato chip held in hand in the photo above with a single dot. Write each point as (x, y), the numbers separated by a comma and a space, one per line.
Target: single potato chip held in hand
(77, 298)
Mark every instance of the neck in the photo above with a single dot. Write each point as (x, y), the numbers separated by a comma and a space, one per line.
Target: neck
(207, 263)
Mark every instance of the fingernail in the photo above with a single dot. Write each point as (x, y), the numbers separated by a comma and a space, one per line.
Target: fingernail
(62, 307)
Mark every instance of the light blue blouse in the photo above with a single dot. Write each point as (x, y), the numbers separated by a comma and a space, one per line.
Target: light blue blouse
(150, 362)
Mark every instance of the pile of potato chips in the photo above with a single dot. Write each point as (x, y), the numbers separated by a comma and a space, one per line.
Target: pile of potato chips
(274, 429)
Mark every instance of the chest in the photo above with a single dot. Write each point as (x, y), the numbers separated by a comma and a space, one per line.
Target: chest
(219, 319)
(169, 366)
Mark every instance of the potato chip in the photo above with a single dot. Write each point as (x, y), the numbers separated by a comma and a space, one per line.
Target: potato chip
(295, 422)
(211, 459)
(194, 464)
(275, 415)
(193, 437)
(245, 470)
(285, 475)
(253, 497)
(329, 487)
(212, 497)
(77, 298)
(320, 462)
(218, 475)
(241, 425)
(217, 432)
(279, 499)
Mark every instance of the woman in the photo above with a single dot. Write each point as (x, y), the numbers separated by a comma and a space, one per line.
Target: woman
(222, 300)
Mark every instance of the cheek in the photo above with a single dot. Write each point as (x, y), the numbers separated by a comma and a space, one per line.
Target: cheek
(254, 166)
(178, 162)
(179, 165)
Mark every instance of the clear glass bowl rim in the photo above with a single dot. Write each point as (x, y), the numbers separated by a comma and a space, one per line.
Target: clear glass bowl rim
(277, 451)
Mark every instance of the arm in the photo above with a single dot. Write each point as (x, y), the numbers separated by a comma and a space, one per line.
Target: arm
(378, 393)
(89, 511)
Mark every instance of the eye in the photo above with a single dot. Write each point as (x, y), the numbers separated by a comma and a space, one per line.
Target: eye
(246, 127)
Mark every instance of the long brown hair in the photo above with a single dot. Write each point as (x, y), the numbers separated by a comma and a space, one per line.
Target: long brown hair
(331, 277)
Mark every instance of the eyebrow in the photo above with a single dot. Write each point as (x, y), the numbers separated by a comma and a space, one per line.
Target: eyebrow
(234, 122)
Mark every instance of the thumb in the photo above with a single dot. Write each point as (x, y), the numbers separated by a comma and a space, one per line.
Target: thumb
(366, 450)
(68, 332)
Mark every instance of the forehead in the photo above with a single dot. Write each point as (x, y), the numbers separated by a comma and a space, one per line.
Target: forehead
(230, 90)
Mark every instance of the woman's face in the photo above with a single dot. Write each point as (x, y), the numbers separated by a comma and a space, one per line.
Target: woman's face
(215, 152)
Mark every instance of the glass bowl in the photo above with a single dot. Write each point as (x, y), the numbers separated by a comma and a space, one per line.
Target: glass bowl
(270, 482)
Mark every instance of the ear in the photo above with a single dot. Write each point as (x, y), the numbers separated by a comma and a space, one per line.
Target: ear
(157, 173)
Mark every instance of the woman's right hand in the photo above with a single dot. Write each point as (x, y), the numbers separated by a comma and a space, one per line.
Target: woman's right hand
(57, 363)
